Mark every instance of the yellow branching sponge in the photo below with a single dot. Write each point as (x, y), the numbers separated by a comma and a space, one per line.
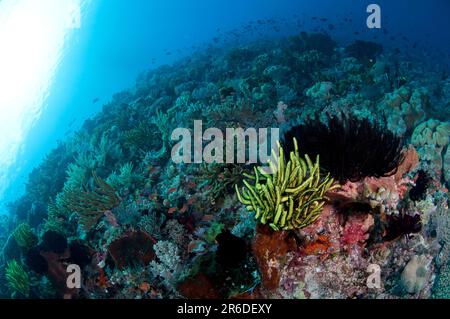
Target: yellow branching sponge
(292, 196)
(17, 278)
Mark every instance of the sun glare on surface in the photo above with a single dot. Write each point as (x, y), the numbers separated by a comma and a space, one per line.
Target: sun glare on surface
(32, 37)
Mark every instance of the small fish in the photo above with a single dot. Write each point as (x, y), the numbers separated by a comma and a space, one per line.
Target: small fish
(184, 209)
(111, 219)
(102, 280)
(191, 200)
(196, 246)
(207, 218)
(171, 190)
(144, 287)
(95, 100)
(191, 184)
(171, 210)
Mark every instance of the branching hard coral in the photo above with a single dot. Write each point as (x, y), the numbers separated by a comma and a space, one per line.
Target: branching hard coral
(292, 197)
(349, 148)
(24, 236)
(91, 205)
(17, 278)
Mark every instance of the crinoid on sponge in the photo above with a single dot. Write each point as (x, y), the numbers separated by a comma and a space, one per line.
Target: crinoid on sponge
(17, 278)
(24, 236)
(349, 148)
(292, 196)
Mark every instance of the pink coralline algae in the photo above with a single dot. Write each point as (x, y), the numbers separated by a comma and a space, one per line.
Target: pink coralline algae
(356, 230)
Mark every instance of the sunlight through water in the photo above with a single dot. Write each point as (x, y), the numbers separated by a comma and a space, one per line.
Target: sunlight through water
(32, 37)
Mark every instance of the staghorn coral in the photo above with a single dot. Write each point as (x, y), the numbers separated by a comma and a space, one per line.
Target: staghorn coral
(91, 205)
(291, 197)
(17, 278)
(24, 236)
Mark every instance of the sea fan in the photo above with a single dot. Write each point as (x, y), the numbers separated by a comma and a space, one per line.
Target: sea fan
(349, 148)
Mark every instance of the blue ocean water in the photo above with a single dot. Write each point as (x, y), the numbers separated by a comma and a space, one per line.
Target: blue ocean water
(116, 40)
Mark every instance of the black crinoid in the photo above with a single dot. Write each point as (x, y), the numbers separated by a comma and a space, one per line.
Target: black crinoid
(349, 148)
(402, 225)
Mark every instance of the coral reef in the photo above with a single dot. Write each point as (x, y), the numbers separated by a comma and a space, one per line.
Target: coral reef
(110, 199)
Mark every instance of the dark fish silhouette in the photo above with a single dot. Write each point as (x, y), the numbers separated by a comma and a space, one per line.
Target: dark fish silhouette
(95, 100)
